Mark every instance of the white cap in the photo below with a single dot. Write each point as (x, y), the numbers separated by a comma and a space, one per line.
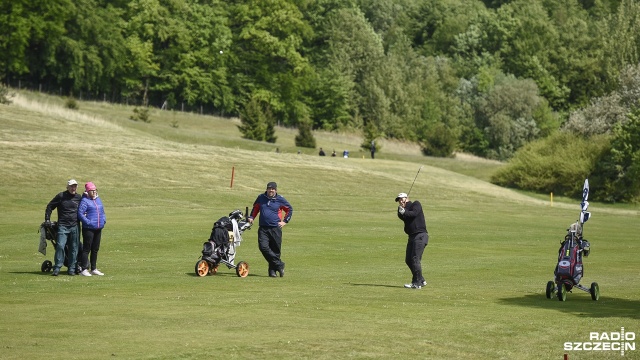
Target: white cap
(401, 196)
(72, 182)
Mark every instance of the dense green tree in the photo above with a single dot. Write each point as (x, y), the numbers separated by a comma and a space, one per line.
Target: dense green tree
(91, 51)
(604, 113)
(16, 27)
(617, 174)
(618, 32)
(32, 32)
(508, 111)
(305, 136)
(200, 70)
(330, 98)
(434, 25)
(267, 54)
(257, 119)
(355, 51)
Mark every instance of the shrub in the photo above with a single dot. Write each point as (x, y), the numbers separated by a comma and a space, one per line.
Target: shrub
(71, 103)
(440, 141)
(5, 95)
(141, 114)
(558, 164)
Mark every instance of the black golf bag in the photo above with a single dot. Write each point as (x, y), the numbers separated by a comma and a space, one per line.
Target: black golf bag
(218, 244)
(569, 270)
(221, 245)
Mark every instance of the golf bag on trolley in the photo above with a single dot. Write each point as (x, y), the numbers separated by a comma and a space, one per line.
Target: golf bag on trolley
(569, 269)
(50, 233)
(226, 235)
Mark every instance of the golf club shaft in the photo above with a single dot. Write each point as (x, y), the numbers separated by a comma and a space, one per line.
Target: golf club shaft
(414, 181)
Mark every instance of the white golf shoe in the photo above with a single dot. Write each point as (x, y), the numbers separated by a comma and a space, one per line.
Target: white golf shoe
(85, 272)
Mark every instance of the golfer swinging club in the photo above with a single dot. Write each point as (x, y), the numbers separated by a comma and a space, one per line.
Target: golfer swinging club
(414, 226)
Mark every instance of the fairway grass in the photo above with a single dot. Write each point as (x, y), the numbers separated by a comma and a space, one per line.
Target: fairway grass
(490, 254)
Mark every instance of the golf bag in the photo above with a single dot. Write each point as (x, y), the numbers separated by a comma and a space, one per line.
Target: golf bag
(50, 233)
(226, 235)
(569, 270)
(218, 244)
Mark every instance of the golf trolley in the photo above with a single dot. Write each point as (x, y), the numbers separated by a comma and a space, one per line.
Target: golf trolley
(51, 234)
(226, 235)
(569, 270)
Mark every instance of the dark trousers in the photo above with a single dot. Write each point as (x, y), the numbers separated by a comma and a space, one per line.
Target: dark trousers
(270, 243)
(413, 257)
(90, 244)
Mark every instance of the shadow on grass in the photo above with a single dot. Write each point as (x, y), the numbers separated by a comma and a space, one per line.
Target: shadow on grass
(580, 304)
(378, 285)
(230, 273)
(36, 272)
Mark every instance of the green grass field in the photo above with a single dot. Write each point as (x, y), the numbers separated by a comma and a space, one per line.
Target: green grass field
(490, 254)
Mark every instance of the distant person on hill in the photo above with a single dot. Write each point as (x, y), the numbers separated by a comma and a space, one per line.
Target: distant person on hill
(275, 212)
(68, 230)
(333, 154)
(321, 152)
(91, 214)
(415, 226)
(345, 154)
(373, 149)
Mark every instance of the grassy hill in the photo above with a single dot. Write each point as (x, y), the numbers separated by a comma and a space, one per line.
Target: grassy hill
(164, 183)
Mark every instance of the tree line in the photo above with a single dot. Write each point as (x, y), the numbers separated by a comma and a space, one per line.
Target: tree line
(486, 77)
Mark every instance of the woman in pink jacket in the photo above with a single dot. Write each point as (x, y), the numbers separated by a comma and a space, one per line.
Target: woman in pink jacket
(91, 214)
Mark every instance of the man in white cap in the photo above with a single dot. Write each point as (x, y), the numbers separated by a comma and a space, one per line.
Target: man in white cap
(67, 204)
(414, 226)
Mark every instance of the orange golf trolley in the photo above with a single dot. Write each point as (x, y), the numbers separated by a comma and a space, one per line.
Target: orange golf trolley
(220, 248)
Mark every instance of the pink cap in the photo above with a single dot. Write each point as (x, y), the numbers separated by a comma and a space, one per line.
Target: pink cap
(89, 186)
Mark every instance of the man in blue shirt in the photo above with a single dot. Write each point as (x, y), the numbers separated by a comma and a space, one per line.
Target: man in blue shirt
(275, 212)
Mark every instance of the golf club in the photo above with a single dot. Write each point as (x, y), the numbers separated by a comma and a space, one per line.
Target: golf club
(414, 181)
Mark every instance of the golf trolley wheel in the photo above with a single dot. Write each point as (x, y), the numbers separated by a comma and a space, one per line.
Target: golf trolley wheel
(202, 268)
(595, 291)
(562, 293)
(46, 266)
(242, 270)
(550, 288)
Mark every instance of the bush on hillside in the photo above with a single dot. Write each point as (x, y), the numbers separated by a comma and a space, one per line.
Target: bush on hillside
(558, 164)
(440, 141)
(71, 103)
(141, 114)
(5, 95)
